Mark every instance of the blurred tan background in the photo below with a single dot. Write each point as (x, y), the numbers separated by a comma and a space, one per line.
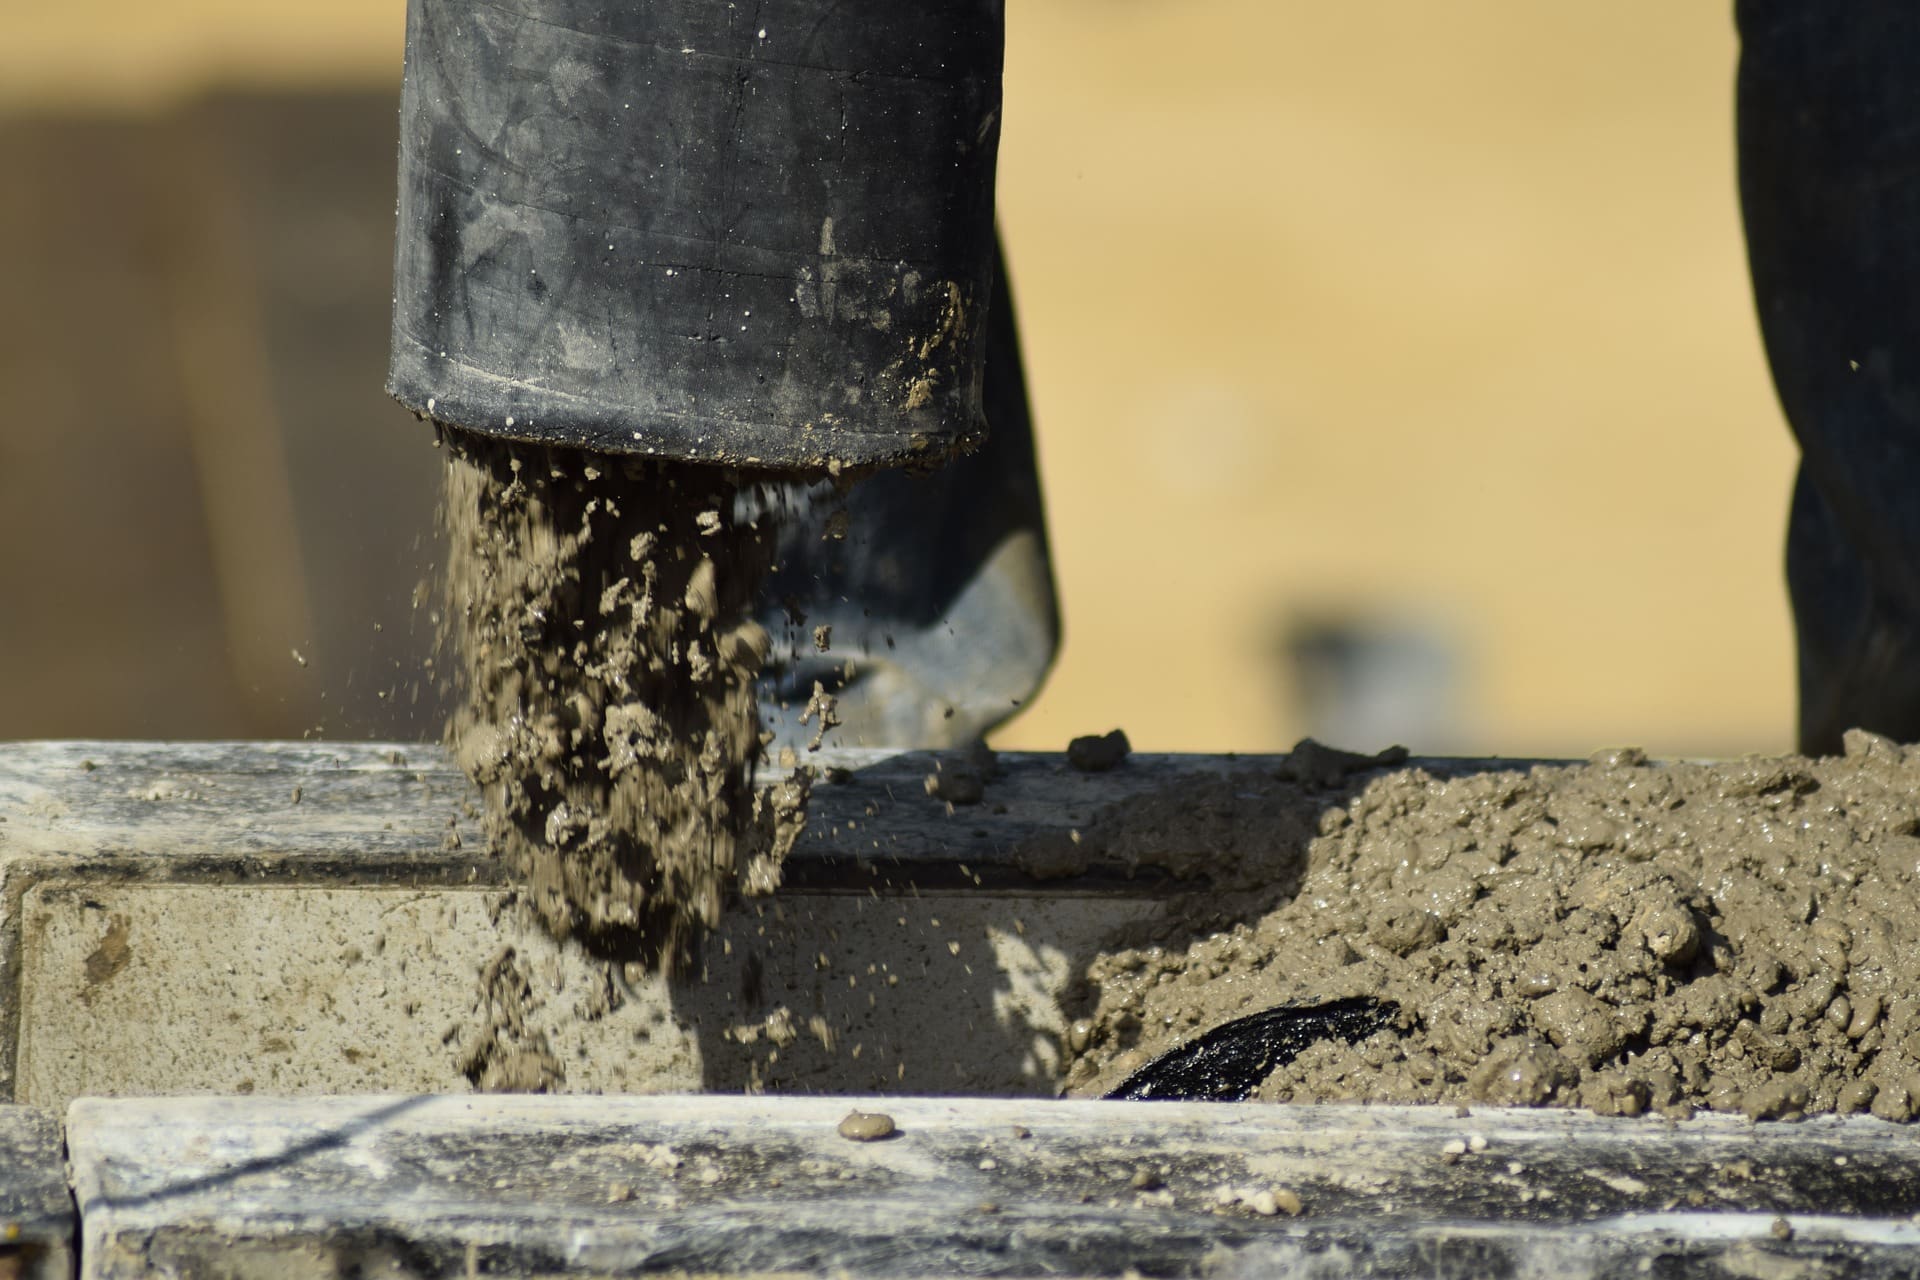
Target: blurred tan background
(1393, 365)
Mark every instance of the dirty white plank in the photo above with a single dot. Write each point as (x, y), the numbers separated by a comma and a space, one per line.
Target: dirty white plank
(37, 1225)
(578, 1186)
(217, 809)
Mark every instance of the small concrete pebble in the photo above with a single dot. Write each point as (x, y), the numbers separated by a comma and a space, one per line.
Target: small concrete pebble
(957, 785)
(1265, 1202)
(1262, 1203)
(867, 1126)
(1097, 753)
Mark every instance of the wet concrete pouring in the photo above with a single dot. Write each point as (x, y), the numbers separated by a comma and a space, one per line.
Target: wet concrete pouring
(600, 611)
(1617, 935)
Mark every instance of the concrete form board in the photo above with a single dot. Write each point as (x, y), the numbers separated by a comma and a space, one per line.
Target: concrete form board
(37, 1224)
(730, 1185)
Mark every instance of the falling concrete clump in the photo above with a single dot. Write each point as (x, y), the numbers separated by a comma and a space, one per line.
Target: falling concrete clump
(600, 609)
(1617, 935)
(504, 1054)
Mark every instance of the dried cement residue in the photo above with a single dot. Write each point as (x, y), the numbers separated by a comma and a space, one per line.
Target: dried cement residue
(601, 611)
(1614, 935)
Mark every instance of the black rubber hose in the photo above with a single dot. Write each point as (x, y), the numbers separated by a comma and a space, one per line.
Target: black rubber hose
(1228, 1063)
(756, 234)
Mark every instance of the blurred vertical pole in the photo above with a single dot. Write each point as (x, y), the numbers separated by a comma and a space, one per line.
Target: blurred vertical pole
(1829, 136)
(219, 331)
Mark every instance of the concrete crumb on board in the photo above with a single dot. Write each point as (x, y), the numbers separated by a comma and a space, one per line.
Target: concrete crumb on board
(1099, 752)
(956, 786)
(964, 780)
(602, 612)
(1616, 935)
(867, 1126)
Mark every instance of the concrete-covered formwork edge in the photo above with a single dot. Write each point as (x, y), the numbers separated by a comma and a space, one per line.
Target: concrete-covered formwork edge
(302, 918)
(549, 1186)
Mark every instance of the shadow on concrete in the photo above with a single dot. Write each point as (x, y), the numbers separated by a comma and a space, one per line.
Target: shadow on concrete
(924, 950)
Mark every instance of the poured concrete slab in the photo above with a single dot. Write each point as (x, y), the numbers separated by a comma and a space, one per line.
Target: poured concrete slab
(573, 1186)
(298, 918)
(37, 1222)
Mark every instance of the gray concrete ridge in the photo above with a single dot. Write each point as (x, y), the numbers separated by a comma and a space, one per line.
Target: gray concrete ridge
(553, 1186)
